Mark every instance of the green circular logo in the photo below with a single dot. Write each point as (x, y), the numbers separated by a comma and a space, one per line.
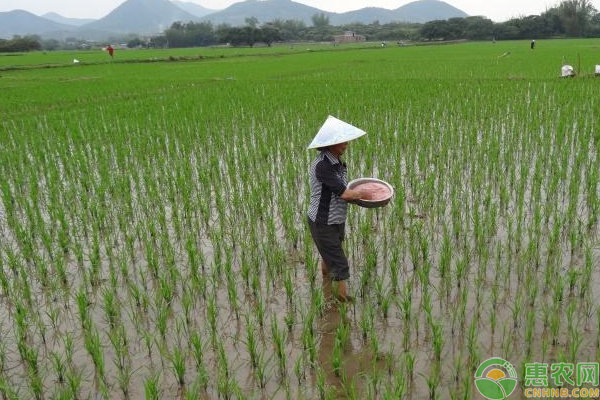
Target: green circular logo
(497, 383)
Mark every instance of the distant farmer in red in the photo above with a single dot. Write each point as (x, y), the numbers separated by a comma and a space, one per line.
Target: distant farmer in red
(110, 50)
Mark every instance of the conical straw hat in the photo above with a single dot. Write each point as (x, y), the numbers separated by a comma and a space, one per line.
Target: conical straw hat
(335, 131)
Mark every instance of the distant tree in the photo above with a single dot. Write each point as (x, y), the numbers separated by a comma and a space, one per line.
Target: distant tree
(506, 31)
(190, 34)
(233, 35)
(251, 22)
(159, 42)
(21, 43)
(135, 43)
(269, 34)
(435, 30)
(50, 44)
(251, 35)
(222, 33)
(575, 16)
(478, 28)
(320, 20)
(594, 27)
(289, 29)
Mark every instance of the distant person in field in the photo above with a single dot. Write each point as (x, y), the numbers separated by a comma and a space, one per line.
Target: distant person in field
(110, 50)
(329, 202)
(532, 44)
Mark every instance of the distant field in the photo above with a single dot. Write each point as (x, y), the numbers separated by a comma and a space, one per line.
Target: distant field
(54, 58)
(153, 241)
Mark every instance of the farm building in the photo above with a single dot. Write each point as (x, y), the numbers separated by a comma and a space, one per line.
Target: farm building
(348, 37)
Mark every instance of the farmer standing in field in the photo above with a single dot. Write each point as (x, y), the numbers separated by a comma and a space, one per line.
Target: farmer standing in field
(110, 50)
(329, 201)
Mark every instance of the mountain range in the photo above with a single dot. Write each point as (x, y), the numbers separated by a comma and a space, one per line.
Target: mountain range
(193, 8)
(269, 10)
(147, 17)
(52, 16)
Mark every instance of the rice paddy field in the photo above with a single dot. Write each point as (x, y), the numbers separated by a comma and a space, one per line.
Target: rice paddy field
(153, 236)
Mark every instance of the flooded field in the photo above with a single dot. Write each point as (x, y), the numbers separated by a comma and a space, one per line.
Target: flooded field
(153, 237)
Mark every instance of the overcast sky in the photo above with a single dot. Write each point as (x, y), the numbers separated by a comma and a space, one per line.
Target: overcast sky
(497, 10)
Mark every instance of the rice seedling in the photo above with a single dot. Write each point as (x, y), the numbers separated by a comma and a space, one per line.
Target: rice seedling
(152, 387)
(279, 338)
(178, 364)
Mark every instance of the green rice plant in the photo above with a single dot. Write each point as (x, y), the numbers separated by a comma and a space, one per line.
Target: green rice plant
(124, 375)
(517, 310)
(255, 284)
(152, 386)
(223, 361)
(74, 379)
(93, 345)
(433, 380)
(187, 304)
(366, 321)
(260, 371)
(233, 295)
(162, 317)
(288, 286)
(587, 273)
(336, 358)
(211, 315)
(178, 364)
(198, 351)
(36, 383)
(575, 341)
(260, 311)
(149, 340)
(83, 308)
(3, 357)
(289, 320)
(472, 346)
(166, 290)
(194, 391)
(300, 370)
(394, 270)
(350, 391)
(409, 363)
(398, 387)
(279, 338)
(321, 385)
(251, 342)
(21, 318)
(112, 309)
(59, 366)
(406, 303)
(438, 340)
(8, 390)
(309, 345)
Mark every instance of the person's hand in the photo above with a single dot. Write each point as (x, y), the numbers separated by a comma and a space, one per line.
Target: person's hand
(352, 195)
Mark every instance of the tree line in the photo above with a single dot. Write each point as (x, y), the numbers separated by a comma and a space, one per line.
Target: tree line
(20, 43)
(571, 18)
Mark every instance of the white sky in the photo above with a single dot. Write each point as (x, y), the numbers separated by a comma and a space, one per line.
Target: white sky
(497, 10)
